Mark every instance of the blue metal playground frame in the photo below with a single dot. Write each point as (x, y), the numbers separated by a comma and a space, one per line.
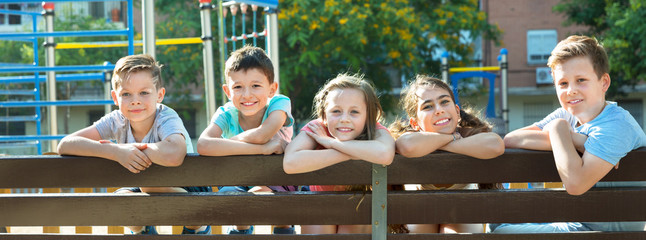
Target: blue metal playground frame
(36, 78)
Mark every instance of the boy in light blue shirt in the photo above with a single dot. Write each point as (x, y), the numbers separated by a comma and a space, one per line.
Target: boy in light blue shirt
(256, 120)
(602, 131)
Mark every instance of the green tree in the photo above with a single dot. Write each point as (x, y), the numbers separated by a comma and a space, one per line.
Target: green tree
(322, 38)
(619, 26)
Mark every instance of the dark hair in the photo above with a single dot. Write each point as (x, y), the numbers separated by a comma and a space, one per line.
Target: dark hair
(374, 112)
(581, 46)
(250, 57)
(135, 63)
(469, 124)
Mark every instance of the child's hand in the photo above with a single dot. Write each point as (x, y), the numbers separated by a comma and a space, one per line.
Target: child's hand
(132, 157)
(274, 146)
(320, 135)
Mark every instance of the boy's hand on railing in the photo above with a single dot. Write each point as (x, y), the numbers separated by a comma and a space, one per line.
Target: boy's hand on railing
(131, 156)
(274, 146)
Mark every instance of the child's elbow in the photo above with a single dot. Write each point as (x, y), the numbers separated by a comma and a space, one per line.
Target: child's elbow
(574, 188)
(405, 150)
(289, 166)
(385, 157)
(202, 146)
(510, 141)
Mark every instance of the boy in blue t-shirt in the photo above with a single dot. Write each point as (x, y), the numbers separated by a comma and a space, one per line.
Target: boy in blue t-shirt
(602, 131)
(254, 121)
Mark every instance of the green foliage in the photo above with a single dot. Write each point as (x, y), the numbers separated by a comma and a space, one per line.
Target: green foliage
(382, 39)
(619, 25)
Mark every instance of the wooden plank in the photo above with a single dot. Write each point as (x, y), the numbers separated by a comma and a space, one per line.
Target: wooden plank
(516, 206)
(83, 229)
(478, 236)
(553, 185)
(468, 206)
(101, 209)
(49, 228)
(514, 166)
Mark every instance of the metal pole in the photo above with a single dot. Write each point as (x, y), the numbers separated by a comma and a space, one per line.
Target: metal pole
(148, 8)
(222, 44)
(131, 30)
(272, 42)
(207, 43)
(379, 202)
(51, 75)
(39, 146)
(107, 78)
(504, 90)
(445, 68)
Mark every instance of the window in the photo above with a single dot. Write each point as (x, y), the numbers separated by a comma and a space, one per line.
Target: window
(10, 19)
(540, 44)
(635, 108)
(534, 112)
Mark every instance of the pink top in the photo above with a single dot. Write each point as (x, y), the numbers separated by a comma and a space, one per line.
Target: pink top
(329, 188)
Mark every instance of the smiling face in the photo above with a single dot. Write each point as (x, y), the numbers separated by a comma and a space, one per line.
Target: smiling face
(249, 91)
(137, 97)
(579, 89)
(436, 111)
(345, 113)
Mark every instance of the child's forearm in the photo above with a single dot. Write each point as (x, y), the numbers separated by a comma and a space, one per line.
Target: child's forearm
(225, 147)
(169, 152)
(528, 139)
(417, 144)
(379, 151)
(311, 160)
(263, 133)
(482, 145)
(81, 146)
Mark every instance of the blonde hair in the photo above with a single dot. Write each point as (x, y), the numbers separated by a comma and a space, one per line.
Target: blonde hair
(374, 112)
(581, 46)
(469, 124)
(134, 63)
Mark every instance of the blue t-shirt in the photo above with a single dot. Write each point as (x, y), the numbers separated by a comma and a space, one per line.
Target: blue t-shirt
(226, 117)
(611, 135)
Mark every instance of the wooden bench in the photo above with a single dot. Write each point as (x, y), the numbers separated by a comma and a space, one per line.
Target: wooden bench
(299, 208)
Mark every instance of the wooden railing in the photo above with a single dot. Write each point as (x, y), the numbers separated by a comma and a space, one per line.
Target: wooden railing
(299, 208)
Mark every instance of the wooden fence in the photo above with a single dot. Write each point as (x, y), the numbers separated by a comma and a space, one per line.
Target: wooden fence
(299, 208)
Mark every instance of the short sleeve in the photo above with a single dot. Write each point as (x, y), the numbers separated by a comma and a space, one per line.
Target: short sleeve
(558, 113)
(611, 141)
(281, 103)
(109, 124)
(170, 123)
(223, 117)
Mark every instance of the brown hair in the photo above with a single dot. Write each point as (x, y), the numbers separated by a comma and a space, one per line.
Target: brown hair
(134, 63)
(250, 57)
(469, 124)
(356, 81)
(581, 46)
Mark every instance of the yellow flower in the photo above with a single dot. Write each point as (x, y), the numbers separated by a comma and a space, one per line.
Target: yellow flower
(336, 12)
(324, 19)
(375, 25)
(343, 21)
(481, 16)
(314, 25)
(366, 5)
(364, 41)
(282, 15)
(449, 14)
(304, 17)
(394, 54)
(386, 30)
(338, 49)
(441, 22)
